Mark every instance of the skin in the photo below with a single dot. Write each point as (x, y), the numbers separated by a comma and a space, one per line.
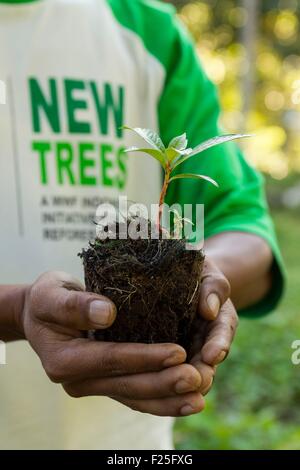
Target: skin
(246, 261)
(52, 313)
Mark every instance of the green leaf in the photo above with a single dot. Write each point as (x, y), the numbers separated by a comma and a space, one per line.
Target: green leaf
(193, 176)
(217, 141)
(157, 154)
(149, 136)
(172, 154)
(181, 154)
(187, 152)
(211, 143)
(179, 143)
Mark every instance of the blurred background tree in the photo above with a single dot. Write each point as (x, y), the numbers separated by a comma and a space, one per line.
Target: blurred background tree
(251, 50)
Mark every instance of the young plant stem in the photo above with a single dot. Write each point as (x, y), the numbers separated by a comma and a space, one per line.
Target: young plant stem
(163, 195)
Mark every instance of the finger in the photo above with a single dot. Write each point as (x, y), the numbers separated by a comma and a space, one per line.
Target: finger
(184, 405)
(177, 380)
(58, 298)
(200, 327)
(220, 335)
(206, 372)
(80, 359)
(215, 290)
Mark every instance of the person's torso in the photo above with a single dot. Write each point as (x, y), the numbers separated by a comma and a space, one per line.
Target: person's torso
(73, 77)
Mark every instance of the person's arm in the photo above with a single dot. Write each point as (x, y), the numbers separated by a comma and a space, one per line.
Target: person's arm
(12, 300)
(242, 254)
(238, 230)
(246, 262)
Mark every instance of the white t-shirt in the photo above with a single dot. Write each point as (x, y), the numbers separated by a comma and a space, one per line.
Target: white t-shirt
(73, 76)
(75, 71)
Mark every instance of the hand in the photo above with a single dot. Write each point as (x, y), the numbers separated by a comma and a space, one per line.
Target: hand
(213, 340)
(148, 378)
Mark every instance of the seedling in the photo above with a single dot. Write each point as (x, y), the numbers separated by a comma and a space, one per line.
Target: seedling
(171, 157)
(154, 283)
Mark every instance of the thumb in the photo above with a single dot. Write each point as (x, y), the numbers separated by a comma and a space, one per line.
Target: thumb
(63, 301)
(215, 290)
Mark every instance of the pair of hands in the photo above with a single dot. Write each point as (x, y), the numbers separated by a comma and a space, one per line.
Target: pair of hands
(150, 378)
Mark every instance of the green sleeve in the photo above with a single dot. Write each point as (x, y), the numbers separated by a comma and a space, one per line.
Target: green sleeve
(190, 103)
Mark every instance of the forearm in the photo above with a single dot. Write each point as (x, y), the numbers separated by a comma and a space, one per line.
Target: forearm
(11, 308)
(246, 261)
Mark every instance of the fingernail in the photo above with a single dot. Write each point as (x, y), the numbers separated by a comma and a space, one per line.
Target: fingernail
(100, 313)
(221, 357)
(214, 304)
(182, 386)
(187, 410)
(174, 359)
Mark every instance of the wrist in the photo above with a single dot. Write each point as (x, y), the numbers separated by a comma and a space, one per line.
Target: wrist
(19, 308)
(12, 303)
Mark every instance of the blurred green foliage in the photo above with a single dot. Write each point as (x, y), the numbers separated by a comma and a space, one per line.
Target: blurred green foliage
(255, 402)
(219, 28)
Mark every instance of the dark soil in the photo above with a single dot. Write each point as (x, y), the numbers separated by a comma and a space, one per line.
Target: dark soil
(154, 284)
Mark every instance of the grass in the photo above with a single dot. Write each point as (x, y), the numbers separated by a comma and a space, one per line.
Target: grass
(255, 402)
